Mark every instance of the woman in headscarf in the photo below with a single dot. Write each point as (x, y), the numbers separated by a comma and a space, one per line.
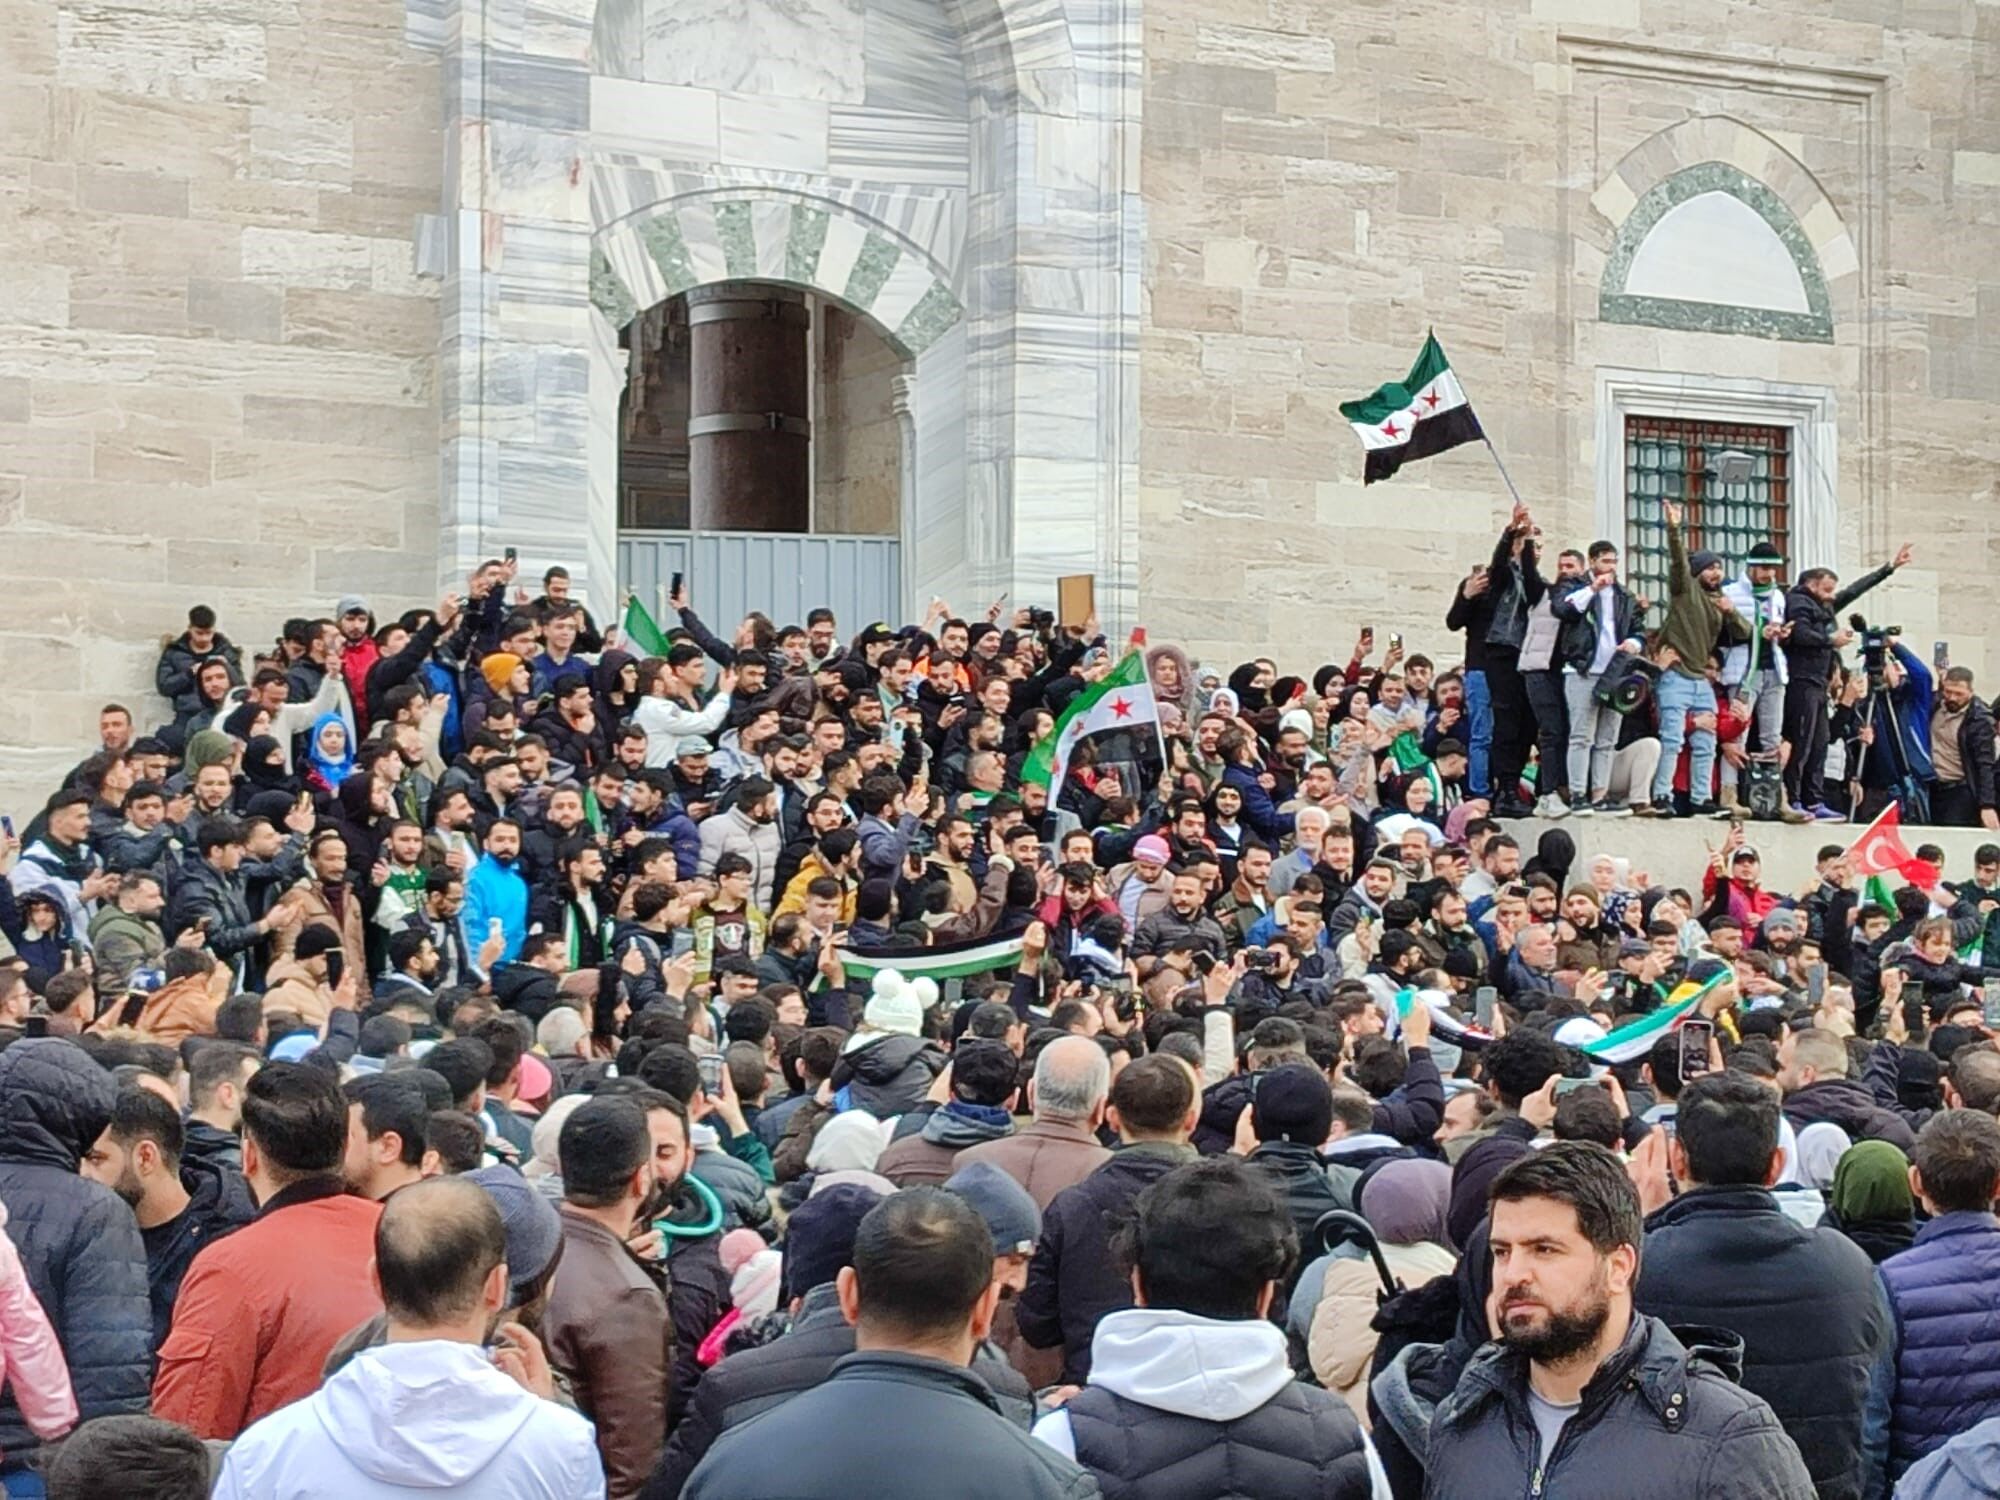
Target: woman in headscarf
(1554, 854)
(1459, 816)
(246, 721)
(329, 754)
(1821, 1146)
(1244, 683)
(263, 770)
(1172, 677)
(1871, 1202)
(1352, 745)
(1404, 1202)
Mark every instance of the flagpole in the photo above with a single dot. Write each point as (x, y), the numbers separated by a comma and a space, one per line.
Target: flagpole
(1518, 501)
(1506, 478)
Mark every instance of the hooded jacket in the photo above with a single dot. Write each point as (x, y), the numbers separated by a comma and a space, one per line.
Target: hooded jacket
(78, 1241)
(431, 1417)
(888, 1076)
(1182, 1407)
(1665, 1417)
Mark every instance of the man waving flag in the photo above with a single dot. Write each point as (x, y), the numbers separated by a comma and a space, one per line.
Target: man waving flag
(1425, 415)
(1118, 706)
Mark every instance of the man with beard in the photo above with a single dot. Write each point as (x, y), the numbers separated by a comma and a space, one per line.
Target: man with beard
(1813, 609)
(1578, 1386)
(181, 1202)
(495, 891)
(1699, 616)
(607, 1327)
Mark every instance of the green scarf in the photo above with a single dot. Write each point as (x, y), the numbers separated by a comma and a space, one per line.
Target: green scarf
(1871, 1183)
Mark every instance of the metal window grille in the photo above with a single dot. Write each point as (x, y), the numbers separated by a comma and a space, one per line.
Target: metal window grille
(1733, 479)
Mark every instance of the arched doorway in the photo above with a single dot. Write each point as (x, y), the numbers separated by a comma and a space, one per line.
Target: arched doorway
(762, 454)
(961, 172)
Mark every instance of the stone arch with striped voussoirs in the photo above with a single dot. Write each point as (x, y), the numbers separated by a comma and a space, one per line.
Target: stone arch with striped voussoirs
(1717, 155)
(819, 244)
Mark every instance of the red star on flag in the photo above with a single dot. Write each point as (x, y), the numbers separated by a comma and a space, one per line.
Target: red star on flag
(1121, 708)
(1430, 399)
(1390, 429)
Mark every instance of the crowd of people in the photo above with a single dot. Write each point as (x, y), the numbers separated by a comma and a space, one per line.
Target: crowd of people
(464, 1055)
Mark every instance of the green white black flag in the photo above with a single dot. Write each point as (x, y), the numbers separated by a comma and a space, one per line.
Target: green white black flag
(1426, 414)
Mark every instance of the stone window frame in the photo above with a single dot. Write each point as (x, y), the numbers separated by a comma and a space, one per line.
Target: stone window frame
(1810, 411)
(1616, 305)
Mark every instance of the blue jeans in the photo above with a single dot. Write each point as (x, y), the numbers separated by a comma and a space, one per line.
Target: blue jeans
(1678, 697)
(24, 1485)
(1479, 732)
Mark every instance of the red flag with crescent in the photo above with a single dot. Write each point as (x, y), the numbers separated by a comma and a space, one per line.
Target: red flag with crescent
(1880, 851)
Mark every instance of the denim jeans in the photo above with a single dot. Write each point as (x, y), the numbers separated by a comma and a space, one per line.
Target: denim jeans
(1680, 696)
(1593, 737)
(1479, 733)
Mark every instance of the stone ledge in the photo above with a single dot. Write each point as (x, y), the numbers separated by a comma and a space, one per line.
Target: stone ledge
(1674, 850)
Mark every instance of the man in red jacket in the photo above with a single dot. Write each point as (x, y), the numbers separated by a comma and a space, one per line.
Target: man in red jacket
(261, 1308)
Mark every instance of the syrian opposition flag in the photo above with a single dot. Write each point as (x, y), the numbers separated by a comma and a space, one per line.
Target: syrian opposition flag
(1635, 1039)
(1121, 701)
(940, 962)
(1631, 1041)
(1426, 414)
(640, 631)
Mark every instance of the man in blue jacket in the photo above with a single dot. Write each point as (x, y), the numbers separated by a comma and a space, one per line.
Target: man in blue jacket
(496, 891)
(1945, 1292)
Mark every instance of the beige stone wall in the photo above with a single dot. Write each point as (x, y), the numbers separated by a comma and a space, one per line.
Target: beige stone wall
(1323, 182)
(216, 357)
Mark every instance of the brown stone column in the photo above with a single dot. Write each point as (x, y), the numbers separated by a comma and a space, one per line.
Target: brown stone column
(749, 424)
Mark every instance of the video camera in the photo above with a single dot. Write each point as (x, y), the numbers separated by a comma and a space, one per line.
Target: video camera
(1874, 646)
(1627, 682)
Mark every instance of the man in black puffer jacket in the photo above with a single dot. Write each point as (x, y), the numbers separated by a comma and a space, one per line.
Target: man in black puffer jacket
(1075, 1278)
(1805, 1302)
(1292, 1114)
(1582, 1397)
(1191, 1395)
(78, 1240)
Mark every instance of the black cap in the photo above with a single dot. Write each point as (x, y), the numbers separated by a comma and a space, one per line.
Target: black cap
(1294, 1103)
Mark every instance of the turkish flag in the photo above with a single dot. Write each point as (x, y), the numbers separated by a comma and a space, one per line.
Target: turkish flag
(1880, 851)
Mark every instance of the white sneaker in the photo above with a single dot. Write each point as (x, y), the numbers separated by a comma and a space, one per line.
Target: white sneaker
(1551, 806)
